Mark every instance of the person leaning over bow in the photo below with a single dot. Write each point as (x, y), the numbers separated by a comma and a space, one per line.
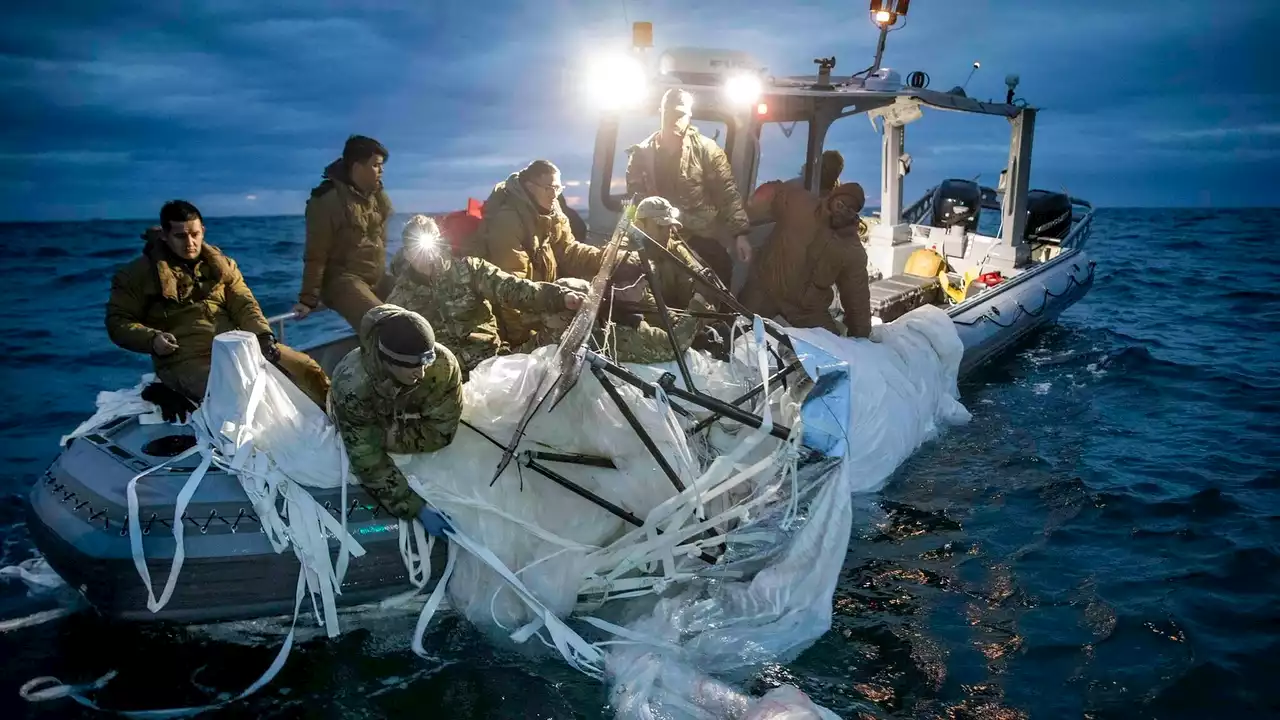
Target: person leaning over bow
(398, 392)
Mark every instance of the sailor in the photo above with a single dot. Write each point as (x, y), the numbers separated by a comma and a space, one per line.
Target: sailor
(828, 176)
(679, 163)
(622, 329)
(525, 233)
(660, 220)
(458, 294)
(398, 392)
(347, 215)
(815, 244)
(172, 301)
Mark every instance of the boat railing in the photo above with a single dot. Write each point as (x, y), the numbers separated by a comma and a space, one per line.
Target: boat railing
(919, 209)
(283, 319)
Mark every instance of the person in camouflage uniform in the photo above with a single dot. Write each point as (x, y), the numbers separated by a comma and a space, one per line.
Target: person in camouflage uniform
(660, 220)
(457, 295)
(634, 339)
(181, 293)
(399, 392)
(347, 215)
(690, 170)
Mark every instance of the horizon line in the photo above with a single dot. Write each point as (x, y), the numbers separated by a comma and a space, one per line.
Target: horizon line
(583, 211)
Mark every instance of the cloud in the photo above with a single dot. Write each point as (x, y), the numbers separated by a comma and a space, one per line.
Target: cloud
(116, 107)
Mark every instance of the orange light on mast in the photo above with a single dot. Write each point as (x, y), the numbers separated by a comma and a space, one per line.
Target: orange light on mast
(762, 109)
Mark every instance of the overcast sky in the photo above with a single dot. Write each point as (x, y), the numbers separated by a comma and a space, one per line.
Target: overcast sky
(110, 107)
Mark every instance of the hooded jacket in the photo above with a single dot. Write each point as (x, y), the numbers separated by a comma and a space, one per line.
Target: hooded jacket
(346, 233)
(376, 415)
(703, 189)
(521, 239)
(803, 258)
(192, 300)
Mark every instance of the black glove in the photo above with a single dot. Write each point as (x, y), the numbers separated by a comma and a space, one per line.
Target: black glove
(711, 342)
(267, 342)
(174, 406)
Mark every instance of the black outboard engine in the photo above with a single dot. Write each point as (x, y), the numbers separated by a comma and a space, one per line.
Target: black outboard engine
(1048, 215)
(957, 202)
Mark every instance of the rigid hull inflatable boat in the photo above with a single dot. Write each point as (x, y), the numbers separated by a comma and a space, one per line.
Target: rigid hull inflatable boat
(996, 288)
(947, 296)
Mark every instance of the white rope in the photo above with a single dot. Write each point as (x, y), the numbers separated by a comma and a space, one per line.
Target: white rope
(46, 688)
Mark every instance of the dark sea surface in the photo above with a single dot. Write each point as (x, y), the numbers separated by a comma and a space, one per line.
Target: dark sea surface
(1101, 541)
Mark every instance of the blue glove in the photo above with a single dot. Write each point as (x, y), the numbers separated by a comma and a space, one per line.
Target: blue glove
(434, 521)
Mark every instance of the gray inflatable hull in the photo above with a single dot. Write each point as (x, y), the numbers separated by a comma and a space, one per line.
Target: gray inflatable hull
(996, 320)
(77, 515)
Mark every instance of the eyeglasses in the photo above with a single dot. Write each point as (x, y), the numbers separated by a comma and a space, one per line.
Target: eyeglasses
(557, 189)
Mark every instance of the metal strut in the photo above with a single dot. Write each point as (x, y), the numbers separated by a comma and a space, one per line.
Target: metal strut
(773, 379)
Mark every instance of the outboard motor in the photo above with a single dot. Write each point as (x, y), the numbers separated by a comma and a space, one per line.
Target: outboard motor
(1048, 214)
(957, 202)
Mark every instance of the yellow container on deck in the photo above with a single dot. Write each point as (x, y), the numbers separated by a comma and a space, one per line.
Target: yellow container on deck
(925, 262)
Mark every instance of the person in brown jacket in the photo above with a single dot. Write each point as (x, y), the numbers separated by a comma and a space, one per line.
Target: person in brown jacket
(693, 173)
(814, 245)
(172, 301)
(525, 233)
(344, 264)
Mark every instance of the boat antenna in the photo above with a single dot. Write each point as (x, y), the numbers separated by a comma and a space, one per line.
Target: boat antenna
(973, 70)
(885, 15)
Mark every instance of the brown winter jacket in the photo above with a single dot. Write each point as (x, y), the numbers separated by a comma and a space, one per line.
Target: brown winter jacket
(519, 238)
(159, 292)
(800, 262)
(346, 234)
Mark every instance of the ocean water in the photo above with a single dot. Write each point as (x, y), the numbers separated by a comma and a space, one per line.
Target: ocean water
(1101, 541)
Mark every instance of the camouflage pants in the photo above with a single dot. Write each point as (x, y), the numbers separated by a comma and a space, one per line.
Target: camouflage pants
(351, 296)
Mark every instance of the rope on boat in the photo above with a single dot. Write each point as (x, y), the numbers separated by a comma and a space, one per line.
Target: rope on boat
(991, 315)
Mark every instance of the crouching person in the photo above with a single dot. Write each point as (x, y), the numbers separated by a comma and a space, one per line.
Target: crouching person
(171, 302)
(458, 295)
(399, 392)
(635, 340)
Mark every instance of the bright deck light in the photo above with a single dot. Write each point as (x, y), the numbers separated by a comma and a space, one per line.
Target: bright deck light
(743, 89)
(615, 82)
(884, 17)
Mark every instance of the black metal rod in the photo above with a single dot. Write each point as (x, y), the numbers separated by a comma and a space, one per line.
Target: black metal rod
(773, 379)
(653, 448)
(574, 459)
(581, 492)
(781, 432)
(663, 317)
(721, 293)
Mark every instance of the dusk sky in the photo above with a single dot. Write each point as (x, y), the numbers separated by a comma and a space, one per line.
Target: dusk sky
(112, 107)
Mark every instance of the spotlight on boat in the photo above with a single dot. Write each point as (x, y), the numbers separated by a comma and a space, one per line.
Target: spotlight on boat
(743, 89)
(616, 82)
(885, 13)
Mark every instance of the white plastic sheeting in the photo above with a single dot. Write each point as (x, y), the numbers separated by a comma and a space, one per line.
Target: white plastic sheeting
(531, 559)
(874, 404)
(255, 424)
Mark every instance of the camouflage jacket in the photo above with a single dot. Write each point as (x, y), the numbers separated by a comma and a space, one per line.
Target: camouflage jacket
(376, 415)
(677, 287)
(704, 189)
(647, 344)
(459, 303)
